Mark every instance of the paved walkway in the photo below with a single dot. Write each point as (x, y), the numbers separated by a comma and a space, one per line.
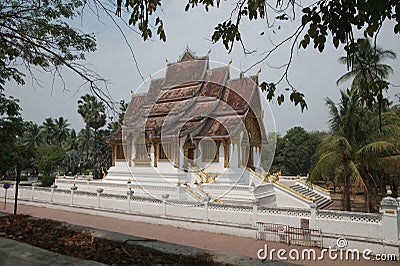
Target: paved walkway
(241, 246)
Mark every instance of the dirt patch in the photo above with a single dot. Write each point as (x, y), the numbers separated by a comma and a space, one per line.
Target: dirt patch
(58, 237)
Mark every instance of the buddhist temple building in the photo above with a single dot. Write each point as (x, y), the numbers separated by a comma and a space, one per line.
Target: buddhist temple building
(195, 116)
(196, 136)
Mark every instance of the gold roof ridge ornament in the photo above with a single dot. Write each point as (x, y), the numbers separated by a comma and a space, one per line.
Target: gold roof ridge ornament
(208, 53)
(258, 72)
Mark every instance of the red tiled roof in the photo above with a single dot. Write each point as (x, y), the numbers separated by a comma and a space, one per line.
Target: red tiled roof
(187, 72)
(193, 99)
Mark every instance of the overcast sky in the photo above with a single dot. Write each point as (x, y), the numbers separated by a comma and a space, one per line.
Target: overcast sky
(312, 73)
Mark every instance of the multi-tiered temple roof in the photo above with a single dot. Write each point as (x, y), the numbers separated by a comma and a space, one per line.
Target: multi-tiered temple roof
(194, 100)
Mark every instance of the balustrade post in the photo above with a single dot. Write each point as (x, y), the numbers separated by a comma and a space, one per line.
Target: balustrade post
(165, 198)
(99, 191)
(73, 188)
(206, 203)
(33, 190)
(398, 215)
(181, 192)
(53, 187)
(256, 203)
(390, 222)
(313, 215)
(129, 197)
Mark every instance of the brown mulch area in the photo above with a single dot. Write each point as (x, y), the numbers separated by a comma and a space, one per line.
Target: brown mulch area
(58, 237)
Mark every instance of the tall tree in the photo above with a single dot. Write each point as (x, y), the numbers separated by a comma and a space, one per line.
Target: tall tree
(61, 130)
(32, 135)
(47, 130)
(11, 129)
(295, 151)
(49, 158)
(37, 34)
(354, 155)
(93, 114)
(115, 125)
(369, 73)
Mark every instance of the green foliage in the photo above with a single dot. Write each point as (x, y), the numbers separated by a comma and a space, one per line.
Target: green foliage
(115, 125)
(54, 131)
(358, 155)
(47, 180)
(11, 128)
(49, 158)
(295, 97)
(295, 152)
(342, 18)
(37, 34)
(92, 111)
(368, 74)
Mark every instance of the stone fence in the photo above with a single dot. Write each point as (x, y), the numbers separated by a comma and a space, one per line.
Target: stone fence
(377, 232)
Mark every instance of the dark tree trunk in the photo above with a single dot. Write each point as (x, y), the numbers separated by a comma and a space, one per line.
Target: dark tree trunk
(17, 180)
(346, 203)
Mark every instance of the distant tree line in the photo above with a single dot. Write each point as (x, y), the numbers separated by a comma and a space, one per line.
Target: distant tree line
(53, 147)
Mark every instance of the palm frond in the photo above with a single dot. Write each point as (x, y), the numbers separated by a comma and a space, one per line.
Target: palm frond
(391, 163)
(377, 148)
(326, 163)
(356, 178)
(345, 77)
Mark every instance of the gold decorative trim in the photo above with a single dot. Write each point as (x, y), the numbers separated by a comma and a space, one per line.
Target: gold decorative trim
(314, 186)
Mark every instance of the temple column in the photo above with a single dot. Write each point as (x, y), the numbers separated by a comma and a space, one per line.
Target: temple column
(177, 153)
(226, 154)
(152, 157)
(181, 153)
(234, 155)
(221, 155)
(258, 157)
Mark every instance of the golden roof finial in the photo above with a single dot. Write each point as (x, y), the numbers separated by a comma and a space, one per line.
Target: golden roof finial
(208, 53)
(258, 72)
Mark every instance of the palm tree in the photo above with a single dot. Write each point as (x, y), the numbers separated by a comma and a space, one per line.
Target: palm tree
(357, 156)
(61, 130)
(93, 114)
(32, 136)
(115, 125)
(368, 73)
(84, 141)
(92, 111)
(48, 130)
(71, 141)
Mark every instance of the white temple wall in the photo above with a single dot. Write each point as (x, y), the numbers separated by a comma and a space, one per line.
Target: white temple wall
(378, 232)
(285, 199)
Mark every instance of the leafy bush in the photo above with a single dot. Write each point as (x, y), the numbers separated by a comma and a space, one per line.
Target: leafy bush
(47, 180)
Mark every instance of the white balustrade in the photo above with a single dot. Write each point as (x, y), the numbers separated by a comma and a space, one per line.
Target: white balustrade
(362, 227)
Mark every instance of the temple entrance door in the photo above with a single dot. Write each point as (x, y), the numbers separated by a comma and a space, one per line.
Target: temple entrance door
(189, 148)
(191, 154)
